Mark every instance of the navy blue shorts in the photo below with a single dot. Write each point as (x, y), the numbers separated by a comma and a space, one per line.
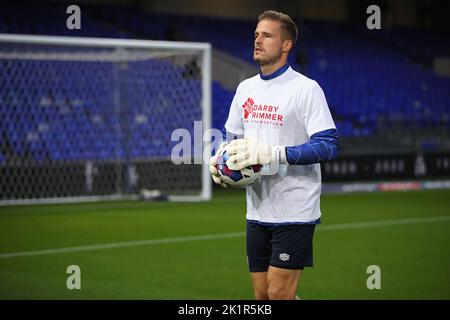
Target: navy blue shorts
(283, 246)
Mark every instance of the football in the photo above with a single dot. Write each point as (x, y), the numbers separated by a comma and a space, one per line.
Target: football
(237, 178)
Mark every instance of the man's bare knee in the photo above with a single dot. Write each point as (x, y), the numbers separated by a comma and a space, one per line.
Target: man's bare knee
(282, 283)
(276, 292)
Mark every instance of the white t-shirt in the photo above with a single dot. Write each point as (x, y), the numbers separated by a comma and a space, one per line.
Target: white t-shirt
(283, 111)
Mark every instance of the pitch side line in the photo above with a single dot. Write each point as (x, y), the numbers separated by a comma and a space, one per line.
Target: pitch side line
(124, 244)
(371, 224)
(357, 225)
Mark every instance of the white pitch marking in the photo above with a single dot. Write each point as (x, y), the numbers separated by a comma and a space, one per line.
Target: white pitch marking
(370, 224)
(357, 225)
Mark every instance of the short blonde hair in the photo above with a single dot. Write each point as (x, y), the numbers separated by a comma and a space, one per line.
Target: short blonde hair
(287, 24)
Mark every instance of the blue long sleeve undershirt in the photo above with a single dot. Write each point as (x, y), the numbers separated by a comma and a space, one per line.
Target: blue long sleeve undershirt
(322, 146)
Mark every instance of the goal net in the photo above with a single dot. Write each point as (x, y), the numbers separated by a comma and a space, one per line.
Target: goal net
(93, 119)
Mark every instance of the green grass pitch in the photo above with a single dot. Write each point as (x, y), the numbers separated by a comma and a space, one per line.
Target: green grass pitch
(407, 234)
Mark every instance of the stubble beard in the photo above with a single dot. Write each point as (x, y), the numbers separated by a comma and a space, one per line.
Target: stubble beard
(268, 60)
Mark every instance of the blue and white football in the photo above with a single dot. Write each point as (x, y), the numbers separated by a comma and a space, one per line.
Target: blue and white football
(237, 178)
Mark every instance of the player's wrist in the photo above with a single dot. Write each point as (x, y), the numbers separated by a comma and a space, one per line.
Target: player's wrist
(279, 155)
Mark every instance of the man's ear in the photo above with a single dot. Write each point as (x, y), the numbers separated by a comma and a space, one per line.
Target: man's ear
(287, 45)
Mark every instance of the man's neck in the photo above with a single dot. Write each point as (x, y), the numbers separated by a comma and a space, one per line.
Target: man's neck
(269, 69)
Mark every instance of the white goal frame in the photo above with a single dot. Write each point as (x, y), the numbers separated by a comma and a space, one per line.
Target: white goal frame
(203, 48)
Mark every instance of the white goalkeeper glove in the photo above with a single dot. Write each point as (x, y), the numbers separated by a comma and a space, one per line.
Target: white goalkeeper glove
(212, 166)
(250, 151)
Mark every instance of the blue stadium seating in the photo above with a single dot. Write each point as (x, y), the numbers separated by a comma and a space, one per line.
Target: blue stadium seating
(67, 110)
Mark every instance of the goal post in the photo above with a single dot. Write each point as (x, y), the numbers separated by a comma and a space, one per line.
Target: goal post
(90, 119)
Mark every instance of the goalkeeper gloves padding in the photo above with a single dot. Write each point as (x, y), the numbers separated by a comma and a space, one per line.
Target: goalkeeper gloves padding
(250, 151)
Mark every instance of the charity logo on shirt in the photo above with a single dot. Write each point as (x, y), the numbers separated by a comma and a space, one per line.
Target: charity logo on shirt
(261, 113)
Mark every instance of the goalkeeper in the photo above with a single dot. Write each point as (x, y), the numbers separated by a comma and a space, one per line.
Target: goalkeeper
(279, 119)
